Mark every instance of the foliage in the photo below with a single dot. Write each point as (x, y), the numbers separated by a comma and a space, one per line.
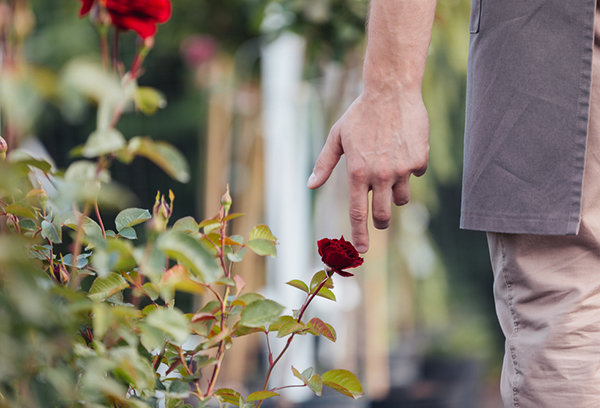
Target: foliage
(88, 313)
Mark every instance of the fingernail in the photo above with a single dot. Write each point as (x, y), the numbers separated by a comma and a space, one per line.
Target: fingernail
(311, 179)
(361, 248)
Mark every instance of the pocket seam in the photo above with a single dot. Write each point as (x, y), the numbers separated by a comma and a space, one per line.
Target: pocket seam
(474, 21)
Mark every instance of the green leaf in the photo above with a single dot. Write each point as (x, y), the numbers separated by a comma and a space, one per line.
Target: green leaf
(233, 216)
(171, 322)
(297, 374)
(298, 284)
(85, 170)
(90, 227)
(21, 210)
(151, 337)
(186, 224)
(27, 224)
(81, 260)
(128, 233)
(262, 232)
(151, 290)
(163, 155)
(306, 374)
(105, 287)
(22, 158)
(280, 322)
(148, 100)
(317, 279)
(324, 329)
(52, 232)
(173, 403)
(261, 313)
(178, 389)
(251, 297)
(289, 328)
(326, 293)
(261, 395)
(228, 395)
(315, 384)
(103, 141)
(344, 382)
(238, 256)
(225, 281)
(130, 217)
(190, 253)
(262, 247)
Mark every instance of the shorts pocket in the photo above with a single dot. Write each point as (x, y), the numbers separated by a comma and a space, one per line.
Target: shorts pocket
(475, 16)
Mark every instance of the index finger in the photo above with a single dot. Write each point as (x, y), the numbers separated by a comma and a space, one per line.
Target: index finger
(359, 214)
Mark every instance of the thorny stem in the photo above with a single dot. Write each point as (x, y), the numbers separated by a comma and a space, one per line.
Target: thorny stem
(187, 368)
(310, 298)
(289, 341)
(220, 352)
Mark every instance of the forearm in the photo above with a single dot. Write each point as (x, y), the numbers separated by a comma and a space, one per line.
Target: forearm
(398, 38)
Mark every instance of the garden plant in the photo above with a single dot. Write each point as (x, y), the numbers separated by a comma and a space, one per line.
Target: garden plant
(88, 316)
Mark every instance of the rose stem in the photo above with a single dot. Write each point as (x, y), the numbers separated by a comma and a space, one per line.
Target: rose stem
(289, 342)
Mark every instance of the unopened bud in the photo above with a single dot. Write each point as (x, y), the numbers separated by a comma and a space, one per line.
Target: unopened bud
(161, 212)
(226, 201)
(43, 198)
(60, 273)
(3, 148)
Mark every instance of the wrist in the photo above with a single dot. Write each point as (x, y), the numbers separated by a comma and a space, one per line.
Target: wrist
(391, 89)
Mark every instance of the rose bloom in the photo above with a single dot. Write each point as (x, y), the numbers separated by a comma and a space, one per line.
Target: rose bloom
(339, 254)
(137, 15)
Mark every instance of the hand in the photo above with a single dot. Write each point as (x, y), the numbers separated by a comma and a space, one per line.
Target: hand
(385, 137)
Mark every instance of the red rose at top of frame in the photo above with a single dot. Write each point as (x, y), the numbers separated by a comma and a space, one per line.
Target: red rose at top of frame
(137, 15)
(85, 7)
(339, 254)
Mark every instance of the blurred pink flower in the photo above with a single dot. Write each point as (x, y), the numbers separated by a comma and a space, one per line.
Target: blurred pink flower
(198, 49)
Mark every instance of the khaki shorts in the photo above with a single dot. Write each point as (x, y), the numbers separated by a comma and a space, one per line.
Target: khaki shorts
(547, 292)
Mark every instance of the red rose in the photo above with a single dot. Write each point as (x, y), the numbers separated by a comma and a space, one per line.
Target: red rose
(85, 7)
(137, 15)
(339, 254)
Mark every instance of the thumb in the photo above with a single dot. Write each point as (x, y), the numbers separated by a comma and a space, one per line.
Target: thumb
(327, 160)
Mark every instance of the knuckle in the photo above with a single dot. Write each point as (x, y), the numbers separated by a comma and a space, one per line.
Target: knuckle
(358, 215)
(385, 174)
(358, 174)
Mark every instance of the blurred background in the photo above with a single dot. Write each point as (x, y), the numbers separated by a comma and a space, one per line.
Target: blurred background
(253, 87)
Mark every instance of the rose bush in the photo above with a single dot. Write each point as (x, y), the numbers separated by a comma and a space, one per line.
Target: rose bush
(141, 16)
(339, 254)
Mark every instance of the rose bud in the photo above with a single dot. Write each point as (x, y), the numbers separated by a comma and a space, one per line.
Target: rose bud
(339, 254)
(3, 148)
(60, 273)
(226, 201)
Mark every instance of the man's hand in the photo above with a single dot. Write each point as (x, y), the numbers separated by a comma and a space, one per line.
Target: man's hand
(385, 132)
(385, 136)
